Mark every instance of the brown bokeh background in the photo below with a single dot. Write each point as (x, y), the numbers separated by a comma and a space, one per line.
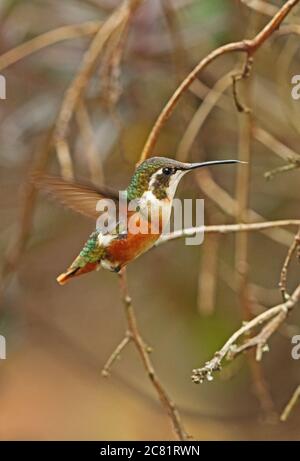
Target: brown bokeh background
(58, 338)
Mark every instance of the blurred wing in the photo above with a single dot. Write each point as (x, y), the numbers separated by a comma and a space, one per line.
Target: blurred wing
(80, 197)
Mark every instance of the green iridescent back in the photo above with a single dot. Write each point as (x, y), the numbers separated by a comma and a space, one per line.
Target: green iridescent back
(92, 252)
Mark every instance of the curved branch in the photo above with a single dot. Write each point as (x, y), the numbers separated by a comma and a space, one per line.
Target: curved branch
(243, 46)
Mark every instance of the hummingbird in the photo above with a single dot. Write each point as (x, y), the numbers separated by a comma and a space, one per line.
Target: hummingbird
(153, 184)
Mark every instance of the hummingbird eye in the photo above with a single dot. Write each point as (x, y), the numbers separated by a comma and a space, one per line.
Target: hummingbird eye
(168, 171)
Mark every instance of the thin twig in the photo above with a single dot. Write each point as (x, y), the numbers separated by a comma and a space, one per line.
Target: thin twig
(290, 405)
(226, 229)
(259, 342)
(144, 355)
(241, 76)
(284, 270)
(293, 165)
(116, 354)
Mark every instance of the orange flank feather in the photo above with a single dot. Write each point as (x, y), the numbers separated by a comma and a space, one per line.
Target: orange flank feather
(129, 248)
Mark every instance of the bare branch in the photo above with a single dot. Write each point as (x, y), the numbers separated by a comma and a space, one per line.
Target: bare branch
(143, 351)
(226, 228)
(276, 314)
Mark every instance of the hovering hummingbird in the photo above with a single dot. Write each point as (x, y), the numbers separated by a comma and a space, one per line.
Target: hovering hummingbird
(153, 184)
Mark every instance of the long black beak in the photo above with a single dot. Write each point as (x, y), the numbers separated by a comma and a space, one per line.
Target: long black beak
(192, 166)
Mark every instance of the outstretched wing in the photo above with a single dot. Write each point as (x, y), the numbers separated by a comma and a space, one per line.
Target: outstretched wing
(80, 197)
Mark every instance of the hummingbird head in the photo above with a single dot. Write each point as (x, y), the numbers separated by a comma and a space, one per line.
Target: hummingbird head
(160, 176)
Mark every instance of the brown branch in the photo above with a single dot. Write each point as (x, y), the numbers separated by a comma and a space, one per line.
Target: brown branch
(135, 336)
(244, 46)
(274, 316)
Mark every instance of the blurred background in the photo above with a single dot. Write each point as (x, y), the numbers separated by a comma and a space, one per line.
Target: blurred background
(187, 299)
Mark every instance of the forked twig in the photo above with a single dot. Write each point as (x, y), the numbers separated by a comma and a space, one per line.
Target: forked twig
(230, 349)
(143, 350)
